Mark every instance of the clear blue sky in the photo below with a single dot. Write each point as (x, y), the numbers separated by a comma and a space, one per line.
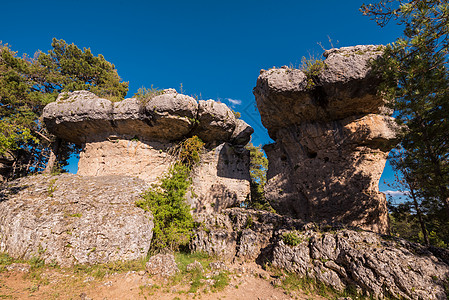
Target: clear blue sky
(214, 48)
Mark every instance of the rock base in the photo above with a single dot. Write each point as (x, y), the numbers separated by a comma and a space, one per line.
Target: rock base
(70, 219)
(373, 264)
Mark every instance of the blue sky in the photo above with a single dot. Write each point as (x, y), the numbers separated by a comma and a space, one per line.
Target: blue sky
(214, 48)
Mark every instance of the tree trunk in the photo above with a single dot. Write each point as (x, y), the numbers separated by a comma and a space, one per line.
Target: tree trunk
(420, 218)
(54, 152)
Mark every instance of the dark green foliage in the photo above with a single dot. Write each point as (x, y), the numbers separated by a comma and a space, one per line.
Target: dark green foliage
(173, 222)
(291, 239)
(416, 81)
(258, 172)
(28, 84)
(68, 68)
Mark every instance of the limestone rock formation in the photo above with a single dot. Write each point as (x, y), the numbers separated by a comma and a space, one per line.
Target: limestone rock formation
(372, 264)
(332, 137)
(136, 137)
(82, 117)
(71, 219)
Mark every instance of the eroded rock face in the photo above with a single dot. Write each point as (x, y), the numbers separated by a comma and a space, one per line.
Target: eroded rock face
(82, 117)
(134, 137)
(71, 219)
(374, 265)
(221, 179)
(332, 137)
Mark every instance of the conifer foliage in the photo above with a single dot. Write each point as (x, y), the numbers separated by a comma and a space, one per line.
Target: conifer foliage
(417, 85)
(173, 222)
(27, 84)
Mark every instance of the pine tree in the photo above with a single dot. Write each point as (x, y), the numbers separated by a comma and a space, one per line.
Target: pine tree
(417, 85)
(28, 84)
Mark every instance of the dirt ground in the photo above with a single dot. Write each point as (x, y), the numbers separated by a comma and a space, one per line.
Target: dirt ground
(65, 284)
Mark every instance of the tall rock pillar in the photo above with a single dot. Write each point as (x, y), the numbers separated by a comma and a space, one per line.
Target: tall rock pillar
(332, 137)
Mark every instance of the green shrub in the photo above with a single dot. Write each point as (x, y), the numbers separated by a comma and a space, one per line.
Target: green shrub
(173, 222)
(291, 239)
(189, 153)
(144, 94)
(237, 114)
(311, 68)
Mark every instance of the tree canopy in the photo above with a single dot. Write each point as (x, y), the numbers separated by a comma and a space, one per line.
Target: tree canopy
(27, 84)
(416, 83)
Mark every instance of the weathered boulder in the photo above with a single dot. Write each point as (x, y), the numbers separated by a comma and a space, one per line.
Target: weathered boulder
(163, 265)
(332, 137)
(71, 219)
(82, 117)
(375, 265)
(216, 122)
(137, 137)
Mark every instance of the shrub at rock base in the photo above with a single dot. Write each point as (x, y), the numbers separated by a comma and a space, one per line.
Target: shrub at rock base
(173, 221)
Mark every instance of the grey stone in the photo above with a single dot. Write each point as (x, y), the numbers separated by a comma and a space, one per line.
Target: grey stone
(218, 266)
(70, 219)
(163, 265)
(332, 139)
(373, 264)
(81, 117)
(216, 121)
(242, 133)
(196, 265)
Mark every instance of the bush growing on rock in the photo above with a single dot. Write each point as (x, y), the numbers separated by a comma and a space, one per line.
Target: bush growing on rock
(173, 221)
(291, 239)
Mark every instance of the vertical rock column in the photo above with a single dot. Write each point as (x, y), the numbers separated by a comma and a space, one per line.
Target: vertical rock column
(332, 137)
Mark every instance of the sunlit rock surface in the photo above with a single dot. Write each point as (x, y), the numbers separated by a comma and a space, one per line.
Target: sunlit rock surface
(332, 137)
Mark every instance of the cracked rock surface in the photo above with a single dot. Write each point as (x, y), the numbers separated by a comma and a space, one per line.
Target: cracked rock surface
(373, 264)
(82, 117)
(71, 219)
(332, 136)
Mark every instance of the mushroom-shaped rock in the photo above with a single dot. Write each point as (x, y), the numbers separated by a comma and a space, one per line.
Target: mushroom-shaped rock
(332, 136)
(136, 136)
(344, 87)
(81, 117)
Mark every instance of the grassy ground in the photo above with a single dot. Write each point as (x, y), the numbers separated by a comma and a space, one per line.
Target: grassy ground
(128, 280)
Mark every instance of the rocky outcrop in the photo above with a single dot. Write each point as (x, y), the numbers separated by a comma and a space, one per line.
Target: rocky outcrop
(71, 219)
(332, 137)
(372, 264)
(137, 137)
(82, 117)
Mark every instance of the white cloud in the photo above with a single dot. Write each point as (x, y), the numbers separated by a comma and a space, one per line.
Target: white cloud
(395, 193)
(234, 102)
